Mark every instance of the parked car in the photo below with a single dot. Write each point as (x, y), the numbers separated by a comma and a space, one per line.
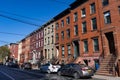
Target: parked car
(13, 65)
(49, 68)
(26, 65)
(1, 63)
(76, 70)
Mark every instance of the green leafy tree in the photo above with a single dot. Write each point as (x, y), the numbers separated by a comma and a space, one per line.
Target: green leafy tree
(4, 51)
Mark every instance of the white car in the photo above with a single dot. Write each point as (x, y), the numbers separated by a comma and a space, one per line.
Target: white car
(49, 68)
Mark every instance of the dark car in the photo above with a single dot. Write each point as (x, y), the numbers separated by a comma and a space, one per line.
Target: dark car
(13, 65)
(1, 63)
(26, 65)
(76, 70)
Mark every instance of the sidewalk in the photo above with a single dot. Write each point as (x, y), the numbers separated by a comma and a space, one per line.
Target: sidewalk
(106, 77)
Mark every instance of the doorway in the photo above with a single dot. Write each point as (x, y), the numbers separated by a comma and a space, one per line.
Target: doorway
(111, 43)
(76, 49)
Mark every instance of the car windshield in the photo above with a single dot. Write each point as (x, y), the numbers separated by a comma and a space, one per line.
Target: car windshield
(46, 64)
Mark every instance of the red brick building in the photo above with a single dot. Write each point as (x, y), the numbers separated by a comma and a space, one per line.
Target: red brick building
(36, 44)
(88, 31)
(14, 50)
(110, 31)
(25, 51)
(77, 36)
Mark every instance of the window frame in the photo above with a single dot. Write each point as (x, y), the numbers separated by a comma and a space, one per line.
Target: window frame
(94, 23)
(84, 27)
(63, 51)
(106, 16)
(94, 45)
(68, 20)
(62, 35)
(62, 23)
(76, 30)
(83, 12)
(75, 17)
(68, 33)
(92, 8)
(105, 2)
(85, 46)
(69, 50)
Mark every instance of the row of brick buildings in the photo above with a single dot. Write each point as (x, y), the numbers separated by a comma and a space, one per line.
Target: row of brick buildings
(88, 31)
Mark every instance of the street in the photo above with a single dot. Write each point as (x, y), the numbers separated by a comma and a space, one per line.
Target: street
(7, 73)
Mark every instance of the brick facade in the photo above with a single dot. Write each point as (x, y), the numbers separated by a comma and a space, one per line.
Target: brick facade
(14, 50)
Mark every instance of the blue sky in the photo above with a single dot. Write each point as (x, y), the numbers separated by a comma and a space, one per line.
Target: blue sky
(43, 10)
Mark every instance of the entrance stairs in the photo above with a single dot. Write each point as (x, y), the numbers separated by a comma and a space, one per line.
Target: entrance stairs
(107, 66)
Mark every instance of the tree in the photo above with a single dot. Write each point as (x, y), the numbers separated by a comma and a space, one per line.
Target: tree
(4, 51)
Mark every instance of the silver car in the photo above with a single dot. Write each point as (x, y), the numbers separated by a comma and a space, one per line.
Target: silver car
(76, 70)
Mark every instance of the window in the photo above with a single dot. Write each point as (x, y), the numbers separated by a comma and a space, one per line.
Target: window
(84, 28)
(52, 28)
(119, 9)
(57, 36)
(62, 35)
(75, 17)
(57, 26)
(62, 23)
(105, 2)
(45, 40)
(83, 12)
(48, 54)
(45, 32)
(48, 30)
(85, 46)
(69, 50)
(42, 42)
(95, 44)
(68, 33)
(63, 53)
(94, 24)
(76, 30)
(68, 20)
(92, 8)
(52, 53)
(107, 17)
(42, 33)
(52, 39)
(39, 34)
(37, 44)
(48, 40)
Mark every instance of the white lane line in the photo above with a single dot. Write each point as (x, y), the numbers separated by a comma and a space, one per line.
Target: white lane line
(7, 75)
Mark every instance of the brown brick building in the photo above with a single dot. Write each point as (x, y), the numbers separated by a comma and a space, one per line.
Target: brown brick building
(110, 25)
(88, 31)
(36, 44)
(14, 50)
(81, 28)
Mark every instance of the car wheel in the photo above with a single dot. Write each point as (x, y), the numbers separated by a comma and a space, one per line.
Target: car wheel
(76, 75)
(48, 71)
(59, 73)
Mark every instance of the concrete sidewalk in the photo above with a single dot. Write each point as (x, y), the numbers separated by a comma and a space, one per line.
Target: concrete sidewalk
(106, 77)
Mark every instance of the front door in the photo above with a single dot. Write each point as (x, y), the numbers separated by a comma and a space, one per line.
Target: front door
(76, 49)
(111, 43)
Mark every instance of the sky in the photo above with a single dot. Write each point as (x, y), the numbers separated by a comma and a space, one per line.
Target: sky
(13, 14)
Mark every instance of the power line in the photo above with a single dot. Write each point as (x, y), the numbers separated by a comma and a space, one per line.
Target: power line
(18, 20)
(12, 33)
(23, 16)
(4, 41)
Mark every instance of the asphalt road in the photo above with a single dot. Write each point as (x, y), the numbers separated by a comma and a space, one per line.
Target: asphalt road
(7, 73)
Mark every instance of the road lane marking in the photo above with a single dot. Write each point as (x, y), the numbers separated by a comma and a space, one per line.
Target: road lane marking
(7, 75)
